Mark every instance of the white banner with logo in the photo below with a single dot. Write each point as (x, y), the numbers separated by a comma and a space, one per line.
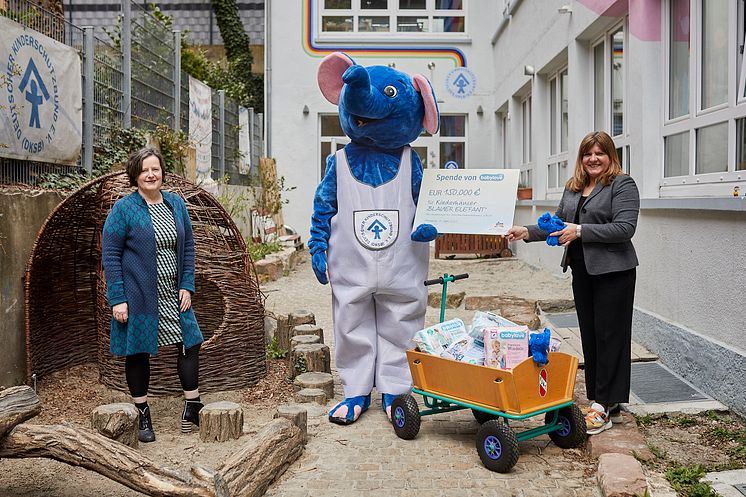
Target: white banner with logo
(200, 126)
(41, 98)
(244, 141)
(468, 201)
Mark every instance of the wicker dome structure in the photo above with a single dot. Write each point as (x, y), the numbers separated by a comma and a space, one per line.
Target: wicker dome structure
(68, 318)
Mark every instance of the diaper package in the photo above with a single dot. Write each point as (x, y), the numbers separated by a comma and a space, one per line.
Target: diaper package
(505, 346)
(482, 319)
(437, 339)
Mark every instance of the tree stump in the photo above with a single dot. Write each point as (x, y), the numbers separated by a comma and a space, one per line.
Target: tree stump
(117, 422)
(303, 340)
(220, 421)
(298, 415)
(285, 325)
(309, 329)
(308, 395)
(324, 381)
(311, 358)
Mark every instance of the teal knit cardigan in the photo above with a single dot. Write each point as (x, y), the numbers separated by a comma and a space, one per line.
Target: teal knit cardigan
(129, 260)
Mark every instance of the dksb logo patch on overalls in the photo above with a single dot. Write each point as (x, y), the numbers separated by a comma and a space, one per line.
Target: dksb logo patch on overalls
(376, 230)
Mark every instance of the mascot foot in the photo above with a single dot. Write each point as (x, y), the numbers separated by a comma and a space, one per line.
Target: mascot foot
(349, 410)
(386, 401)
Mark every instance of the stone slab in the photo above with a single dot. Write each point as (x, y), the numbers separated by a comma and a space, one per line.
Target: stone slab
(623, 438)
(621, 475)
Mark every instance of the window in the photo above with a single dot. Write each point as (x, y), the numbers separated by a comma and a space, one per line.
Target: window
(452, 141)
(557, 172)
(617, 82)
(714, 53)
(598, 87)
(392, 16)
(609, 83)
(712, 149)
(332, 138)
(678, 38)
(526, 130)
(704, 145)
(741, 144)
(504, 140)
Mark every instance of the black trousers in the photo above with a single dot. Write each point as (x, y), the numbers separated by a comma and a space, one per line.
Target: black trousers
(604, 307)
(137, 370)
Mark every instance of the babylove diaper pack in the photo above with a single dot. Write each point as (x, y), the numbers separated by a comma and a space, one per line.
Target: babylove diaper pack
(505, 346)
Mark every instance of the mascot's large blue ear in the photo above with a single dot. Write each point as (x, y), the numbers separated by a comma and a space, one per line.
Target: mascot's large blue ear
(330, 74)
(431, 120)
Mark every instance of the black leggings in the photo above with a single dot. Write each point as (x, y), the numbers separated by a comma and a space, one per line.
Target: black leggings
(137, 370)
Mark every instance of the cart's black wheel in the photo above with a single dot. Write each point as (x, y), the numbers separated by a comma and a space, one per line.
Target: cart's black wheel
(482, 417)
(572, 431)
(497, 446)
(405, 416)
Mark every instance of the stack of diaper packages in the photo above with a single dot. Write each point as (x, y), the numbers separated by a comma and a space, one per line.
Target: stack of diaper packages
(449, 339)
(491, 341)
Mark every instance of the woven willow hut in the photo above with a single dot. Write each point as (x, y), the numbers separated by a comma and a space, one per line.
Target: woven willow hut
(68, 318)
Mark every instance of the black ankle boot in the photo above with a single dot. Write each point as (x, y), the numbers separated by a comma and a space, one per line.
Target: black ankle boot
(190, 415)
(146, 433)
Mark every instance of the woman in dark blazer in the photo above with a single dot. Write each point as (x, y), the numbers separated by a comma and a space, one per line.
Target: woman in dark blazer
(148, 259)
(600, 206)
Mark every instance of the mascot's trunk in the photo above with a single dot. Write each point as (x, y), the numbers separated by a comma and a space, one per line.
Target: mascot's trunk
(360, 98)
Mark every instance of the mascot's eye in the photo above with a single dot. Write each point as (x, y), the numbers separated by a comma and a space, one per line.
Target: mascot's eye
(390, 91)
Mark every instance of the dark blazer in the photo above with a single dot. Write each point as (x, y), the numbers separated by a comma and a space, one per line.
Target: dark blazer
(609, 220)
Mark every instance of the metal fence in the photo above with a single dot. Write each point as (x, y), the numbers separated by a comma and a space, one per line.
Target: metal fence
(133, 79)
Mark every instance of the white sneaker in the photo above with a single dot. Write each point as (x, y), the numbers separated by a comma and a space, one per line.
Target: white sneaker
(597, 419)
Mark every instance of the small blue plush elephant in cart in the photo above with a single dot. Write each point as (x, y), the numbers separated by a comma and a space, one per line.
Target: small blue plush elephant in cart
(363, 239)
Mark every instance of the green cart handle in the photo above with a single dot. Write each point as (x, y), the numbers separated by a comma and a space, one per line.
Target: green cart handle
(444, 280)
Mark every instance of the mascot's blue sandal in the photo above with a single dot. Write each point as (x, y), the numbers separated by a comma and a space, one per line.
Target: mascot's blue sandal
(386, 402)
(361, 401)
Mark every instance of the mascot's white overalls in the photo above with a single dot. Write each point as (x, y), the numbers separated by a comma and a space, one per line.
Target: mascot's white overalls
(379, 304)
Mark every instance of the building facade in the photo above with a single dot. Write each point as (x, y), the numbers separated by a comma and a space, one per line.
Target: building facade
(519, 83)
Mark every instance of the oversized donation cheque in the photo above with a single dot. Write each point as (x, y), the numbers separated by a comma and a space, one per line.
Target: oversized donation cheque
(491, 341)
(468, 201)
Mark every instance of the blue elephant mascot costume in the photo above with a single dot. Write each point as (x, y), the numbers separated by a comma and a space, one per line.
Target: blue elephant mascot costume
(362, 228)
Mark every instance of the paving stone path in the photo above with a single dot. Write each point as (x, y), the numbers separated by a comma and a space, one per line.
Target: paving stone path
(367, 458)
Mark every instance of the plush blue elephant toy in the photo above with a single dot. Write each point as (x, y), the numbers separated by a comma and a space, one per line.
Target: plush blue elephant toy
(551, 223)
(363, 238)
(538, 346)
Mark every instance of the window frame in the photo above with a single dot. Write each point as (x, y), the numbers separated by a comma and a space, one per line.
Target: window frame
(393, 12)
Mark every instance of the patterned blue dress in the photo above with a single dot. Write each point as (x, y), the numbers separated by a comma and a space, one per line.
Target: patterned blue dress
(169, 328)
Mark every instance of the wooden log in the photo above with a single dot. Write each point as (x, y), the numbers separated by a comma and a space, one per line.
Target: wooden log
(17, 404)
(81, 447)
(285, 325)
(313, 357)
(307, 395)
(304, 340)
(309, 329)
(324, 381)
(220, 421)
(263, 459)
(296, 414)
(117, 422)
